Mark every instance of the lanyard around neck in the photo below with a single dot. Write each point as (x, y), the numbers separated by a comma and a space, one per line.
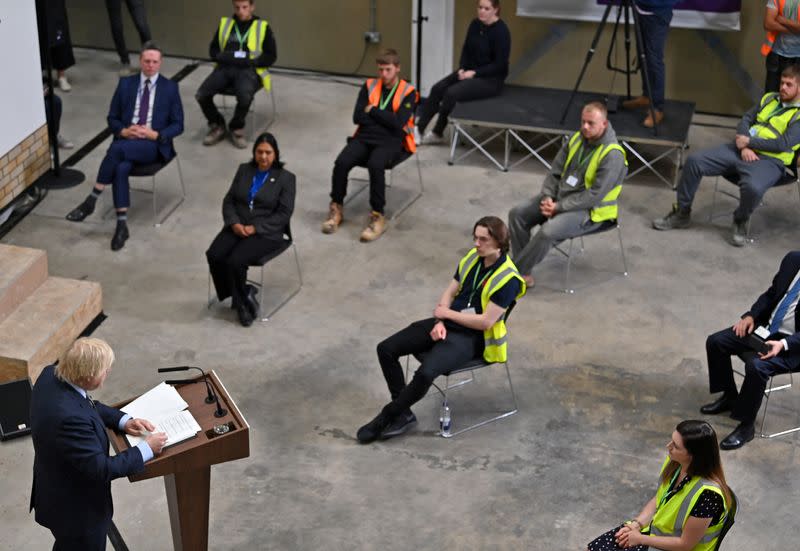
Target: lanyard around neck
(242, 39)
(476, 285)
(670, 489)
(385, 101)
(255, 187)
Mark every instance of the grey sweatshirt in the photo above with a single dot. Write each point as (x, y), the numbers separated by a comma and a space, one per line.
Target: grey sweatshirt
(612, 171)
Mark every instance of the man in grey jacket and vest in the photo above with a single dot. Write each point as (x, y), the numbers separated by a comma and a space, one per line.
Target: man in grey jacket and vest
(578, 195)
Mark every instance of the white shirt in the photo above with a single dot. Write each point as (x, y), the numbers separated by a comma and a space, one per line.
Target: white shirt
(787, 326)
(153, 81)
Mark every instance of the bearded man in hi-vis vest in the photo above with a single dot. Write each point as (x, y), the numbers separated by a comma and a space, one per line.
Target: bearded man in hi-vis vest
(579, 193)
(766, 143)
(384, 138)
(243, 47)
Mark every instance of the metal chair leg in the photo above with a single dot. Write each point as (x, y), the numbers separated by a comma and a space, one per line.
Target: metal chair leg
(770, 389)
(567, 288)
(622, 251)
(272, 312)
(492, 419)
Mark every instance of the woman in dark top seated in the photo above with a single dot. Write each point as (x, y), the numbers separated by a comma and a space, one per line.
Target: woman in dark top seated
(256, 212)
(692, 501)
(481, 71)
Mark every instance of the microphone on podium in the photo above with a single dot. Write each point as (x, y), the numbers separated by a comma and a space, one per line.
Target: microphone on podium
(211, 397)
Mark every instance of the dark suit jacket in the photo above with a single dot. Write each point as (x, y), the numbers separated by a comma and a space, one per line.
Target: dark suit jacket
(167, 111)
(272, 206)
(766, 303)
(72, 471)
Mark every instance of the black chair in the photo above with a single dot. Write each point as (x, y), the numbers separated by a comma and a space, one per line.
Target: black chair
(402, 156)
(790, 176)
(729, 520)
(254, 128)
(150, 171)
(472, 366)
(260, 263)
(603, 227)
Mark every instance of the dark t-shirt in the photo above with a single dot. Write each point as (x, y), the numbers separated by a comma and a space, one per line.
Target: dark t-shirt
(477, 277)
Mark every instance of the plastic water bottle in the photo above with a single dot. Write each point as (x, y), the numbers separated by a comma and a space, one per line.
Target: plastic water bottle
(446, 421)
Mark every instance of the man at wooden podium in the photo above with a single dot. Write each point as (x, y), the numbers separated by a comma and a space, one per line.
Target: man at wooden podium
(72, 471)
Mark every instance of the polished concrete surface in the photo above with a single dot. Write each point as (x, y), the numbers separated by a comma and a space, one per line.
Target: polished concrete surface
(602, 376)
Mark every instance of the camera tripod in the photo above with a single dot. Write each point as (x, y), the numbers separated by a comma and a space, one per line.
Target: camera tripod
(627, 14)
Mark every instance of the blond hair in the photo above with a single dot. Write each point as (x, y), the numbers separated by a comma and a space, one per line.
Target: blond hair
(85, 360)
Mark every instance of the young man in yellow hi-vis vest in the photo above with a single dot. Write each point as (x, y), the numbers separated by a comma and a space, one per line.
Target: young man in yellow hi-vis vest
(467, 323)
(578, 195)
(384, 114)
(243, 47)
(767, 139)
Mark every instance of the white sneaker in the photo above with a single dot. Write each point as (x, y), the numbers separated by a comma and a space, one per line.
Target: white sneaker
(64, 84)
(125, 70)
(64, 143)
(417, 136)
(432, 138)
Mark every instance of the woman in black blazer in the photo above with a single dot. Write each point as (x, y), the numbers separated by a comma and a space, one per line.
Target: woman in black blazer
(256, 212)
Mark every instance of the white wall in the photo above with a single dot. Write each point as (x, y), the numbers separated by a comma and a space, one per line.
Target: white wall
(21, 99)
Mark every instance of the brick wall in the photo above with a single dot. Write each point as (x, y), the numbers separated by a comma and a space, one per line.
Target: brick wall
(23, 165)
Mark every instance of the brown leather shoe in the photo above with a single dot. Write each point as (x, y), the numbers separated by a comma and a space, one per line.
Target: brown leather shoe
(335, 216)
(215, 135)
(636, 103)
(375, 227)
(648, 120)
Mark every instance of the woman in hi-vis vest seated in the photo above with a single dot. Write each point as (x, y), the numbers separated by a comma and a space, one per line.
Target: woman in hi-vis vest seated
(692, 502)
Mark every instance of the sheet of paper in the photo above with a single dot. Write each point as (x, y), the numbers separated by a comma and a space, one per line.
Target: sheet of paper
(158, 402)
(178, 427)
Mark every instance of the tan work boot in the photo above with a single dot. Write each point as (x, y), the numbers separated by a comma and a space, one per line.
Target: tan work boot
(648, 120)
(238, 139)
(335, 215)
(375, 227)
(636, 103)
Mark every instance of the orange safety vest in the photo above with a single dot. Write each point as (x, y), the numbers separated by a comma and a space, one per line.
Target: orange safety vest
(766, 47)
(404, 89)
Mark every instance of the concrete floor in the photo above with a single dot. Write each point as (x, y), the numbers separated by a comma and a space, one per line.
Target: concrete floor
(603, 376)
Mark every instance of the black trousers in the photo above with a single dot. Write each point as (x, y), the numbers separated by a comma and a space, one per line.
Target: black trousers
(136, 9)
(440, 357)
(377, 158)
(775, 65)
(449, 91)
(242, 81)
(720, 347)
(229, 257)
(90, 541)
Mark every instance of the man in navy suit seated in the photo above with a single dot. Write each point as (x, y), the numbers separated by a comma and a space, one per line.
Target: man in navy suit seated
(72, 471)
(776, 311)
(145, 115)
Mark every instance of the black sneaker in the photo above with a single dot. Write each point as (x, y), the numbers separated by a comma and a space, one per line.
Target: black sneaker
(738, 234)
(402, 424)
(251, 302)
(678, 218)
(372, 430)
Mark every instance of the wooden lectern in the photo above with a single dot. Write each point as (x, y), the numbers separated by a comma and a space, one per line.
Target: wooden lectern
(186, 466)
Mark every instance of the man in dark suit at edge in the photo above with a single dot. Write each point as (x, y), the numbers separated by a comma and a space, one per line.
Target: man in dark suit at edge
(145, 115)
(775, 310)
(72, 471)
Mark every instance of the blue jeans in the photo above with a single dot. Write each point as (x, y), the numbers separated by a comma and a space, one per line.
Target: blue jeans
(118, 162)
(654, 30)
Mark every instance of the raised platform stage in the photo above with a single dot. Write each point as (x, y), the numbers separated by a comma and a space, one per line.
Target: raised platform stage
(40, 315)
(538, 110)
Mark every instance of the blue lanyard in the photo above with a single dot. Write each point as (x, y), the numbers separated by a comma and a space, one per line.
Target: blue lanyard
(255, 187)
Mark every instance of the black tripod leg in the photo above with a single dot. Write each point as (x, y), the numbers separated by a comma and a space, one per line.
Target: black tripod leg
(643, 67)
(586, 62)
(116, 538)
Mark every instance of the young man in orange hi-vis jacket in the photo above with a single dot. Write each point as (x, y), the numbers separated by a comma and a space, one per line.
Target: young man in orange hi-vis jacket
(384, 114)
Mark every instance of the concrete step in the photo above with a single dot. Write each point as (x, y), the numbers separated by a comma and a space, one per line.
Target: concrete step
(22, 271)
(41, 329)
